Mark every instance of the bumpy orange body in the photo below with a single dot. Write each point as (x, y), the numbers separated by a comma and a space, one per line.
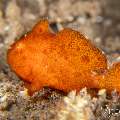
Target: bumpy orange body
(112, 78)
(65, 60)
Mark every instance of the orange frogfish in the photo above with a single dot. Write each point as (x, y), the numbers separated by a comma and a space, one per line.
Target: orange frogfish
(65, 60)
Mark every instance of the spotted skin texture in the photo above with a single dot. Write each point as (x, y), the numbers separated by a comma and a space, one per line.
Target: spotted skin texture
(112, 77)
(65, 60)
